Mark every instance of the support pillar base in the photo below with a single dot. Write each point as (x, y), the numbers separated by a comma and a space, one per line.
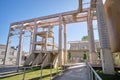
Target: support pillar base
(93, 58)
(107, 61)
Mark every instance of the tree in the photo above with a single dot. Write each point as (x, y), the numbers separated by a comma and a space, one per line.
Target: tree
(69, 55)
(85, 38)
(85, 55)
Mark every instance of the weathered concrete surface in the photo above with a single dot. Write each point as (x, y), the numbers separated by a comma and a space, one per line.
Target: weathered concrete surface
(112, 12)
(76, 72)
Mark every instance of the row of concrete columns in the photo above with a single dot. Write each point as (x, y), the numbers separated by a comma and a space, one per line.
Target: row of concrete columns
(20, 46)
(106, 55)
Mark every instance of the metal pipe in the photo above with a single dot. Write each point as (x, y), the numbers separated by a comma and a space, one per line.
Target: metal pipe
(51, 70)
(41, 73)
(92, 71)
(24, 74)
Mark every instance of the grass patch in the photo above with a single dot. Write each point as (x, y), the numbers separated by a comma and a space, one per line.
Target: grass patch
(108, 77)
(33, 74)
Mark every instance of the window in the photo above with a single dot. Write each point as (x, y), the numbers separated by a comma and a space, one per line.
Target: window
(82, 47)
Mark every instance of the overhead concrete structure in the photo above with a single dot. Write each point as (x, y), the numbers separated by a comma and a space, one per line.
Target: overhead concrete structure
(112, 13)
(94, 11)
(104, 40)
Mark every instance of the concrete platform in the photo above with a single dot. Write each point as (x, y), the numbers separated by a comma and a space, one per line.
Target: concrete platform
(75, 72)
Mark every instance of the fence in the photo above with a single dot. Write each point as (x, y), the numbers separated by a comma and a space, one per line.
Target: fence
(92, 73)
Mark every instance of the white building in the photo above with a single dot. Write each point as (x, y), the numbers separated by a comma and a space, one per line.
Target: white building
(11, 57)
(2, 52)
(79, 50)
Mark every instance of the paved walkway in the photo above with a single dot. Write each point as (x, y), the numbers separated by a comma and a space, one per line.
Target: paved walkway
(76, 72)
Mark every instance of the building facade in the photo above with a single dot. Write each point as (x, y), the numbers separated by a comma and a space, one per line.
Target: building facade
(79, 50)
(12, 55)
(2, 53)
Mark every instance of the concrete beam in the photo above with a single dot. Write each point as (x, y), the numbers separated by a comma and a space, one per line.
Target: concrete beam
(49, 16)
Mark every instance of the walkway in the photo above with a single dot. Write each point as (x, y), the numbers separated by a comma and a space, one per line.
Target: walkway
(75, 72)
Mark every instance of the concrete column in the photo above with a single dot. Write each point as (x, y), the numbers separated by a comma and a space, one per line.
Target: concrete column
(53, 47)
(46, 41)
(31, 40)
(20, 47)
(7, 50)
(106, 54)
(43, 39)
(112, 33)
(60, 50)
(92, 55)
(34, 37)
(65, 44)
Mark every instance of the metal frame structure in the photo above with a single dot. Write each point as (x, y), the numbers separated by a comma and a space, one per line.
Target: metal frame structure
(92, 73)
(95, 11)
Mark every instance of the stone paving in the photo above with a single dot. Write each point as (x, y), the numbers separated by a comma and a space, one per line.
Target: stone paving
(76, 72)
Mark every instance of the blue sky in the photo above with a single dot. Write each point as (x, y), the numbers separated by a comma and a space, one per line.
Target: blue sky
(17, 10)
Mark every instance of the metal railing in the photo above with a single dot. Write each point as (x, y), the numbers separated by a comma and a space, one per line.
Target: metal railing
(41, 69)
(92, 73)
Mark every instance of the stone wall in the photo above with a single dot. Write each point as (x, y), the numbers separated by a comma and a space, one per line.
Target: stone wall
(116, 57)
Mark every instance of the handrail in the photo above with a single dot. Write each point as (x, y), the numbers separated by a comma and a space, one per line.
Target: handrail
(92, 72)
(29, 67)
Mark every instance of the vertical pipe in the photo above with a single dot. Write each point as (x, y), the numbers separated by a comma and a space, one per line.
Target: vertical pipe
(41, 72)
(91, 74)
(24, 73)
(51, 67)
